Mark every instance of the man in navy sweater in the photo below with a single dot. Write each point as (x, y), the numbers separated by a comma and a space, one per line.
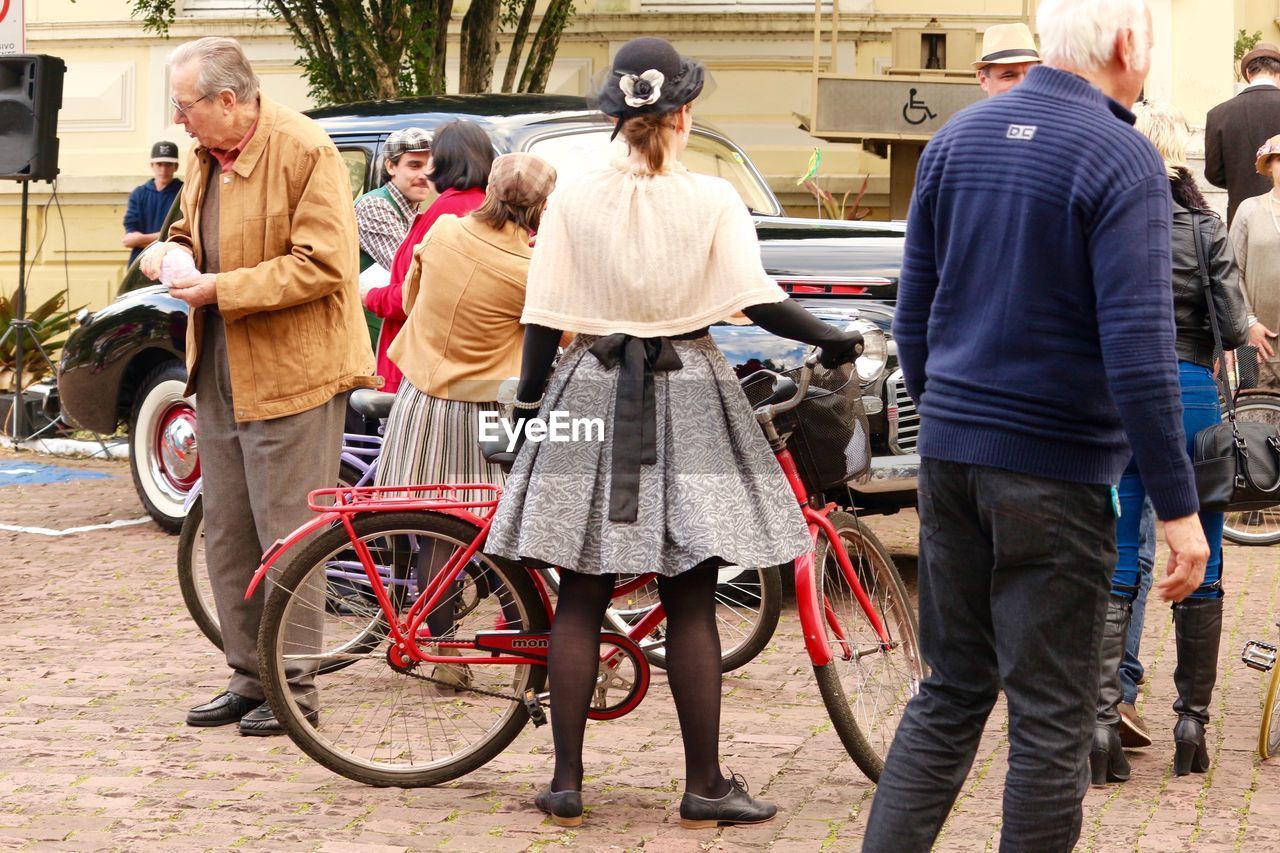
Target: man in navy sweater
(1034, 326)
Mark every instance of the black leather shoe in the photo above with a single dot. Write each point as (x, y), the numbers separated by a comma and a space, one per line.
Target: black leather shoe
(223, 710)
(735, 807)
(565, 807)
(261, 722)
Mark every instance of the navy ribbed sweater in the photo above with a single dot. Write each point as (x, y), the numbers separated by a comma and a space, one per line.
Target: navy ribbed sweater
(1034, 320)
(148, 207)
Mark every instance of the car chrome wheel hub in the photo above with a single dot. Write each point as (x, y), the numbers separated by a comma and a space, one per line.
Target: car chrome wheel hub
(176, 446)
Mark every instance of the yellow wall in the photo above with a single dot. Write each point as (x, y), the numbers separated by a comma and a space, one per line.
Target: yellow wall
(115, 104)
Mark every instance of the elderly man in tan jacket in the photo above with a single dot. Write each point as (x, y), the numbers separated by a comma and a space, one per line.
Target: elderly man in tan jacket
(275, 339)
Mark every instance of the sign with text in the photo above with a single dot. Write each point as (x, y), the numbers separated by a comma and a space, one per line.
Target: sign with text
(13, 35)
(888, 107)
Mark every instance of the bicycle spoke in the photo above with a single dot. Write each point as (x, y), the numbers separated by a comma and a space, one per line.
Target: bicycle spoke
(869, 682)
(385, 720)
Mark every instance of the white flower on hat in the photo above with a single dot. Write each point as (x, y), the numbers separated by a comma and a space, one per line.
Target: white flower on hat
(640, 90)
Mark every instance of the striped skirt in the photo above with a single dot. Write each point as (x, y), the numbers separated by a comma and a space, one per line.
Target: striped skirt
(432, 440)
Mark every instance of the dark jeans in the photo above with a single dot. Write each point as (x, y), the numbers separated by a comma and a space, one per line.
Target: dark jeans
(1014, 573)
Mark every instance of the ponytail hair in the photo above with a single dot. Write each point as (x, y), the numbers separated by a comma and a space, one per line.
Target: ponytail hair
(650, 134)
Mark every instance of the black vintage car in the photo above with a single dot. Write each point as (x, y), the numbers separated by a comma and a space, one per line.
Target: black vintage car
(124, 363)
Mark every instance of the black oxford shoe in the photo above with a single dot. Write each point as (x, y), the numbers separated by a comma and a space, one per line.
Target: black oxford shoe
(261, 722)
(223, 710)
(565, 807)
(734, 808)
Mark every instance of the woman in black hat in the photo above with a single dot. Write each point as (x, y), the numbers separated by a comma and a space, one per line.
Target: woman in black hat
(639, 258)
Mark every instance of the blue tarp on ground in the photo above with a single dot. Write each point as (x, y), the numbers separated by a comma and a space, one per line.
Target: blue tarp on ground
(23, 473)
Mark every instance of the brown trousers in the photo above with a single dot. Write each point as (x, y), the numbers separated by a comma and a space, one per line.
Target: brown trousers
(256, 479)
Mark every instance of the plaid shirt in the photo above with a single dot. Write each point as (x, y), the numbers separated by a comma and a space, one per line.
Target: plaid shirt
(383, 225)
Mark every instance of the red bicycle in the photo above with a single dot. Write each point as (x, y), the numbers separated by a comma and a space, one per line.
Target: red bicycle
(399, 706)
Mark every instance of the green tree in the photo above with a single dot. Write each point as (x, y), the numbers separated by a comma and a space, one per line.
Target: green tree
(356, 50)
(1244, 44)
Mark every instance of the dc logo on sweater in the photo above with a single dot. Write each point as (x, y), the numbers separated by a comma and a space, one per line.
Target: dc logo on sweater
(1025, 132)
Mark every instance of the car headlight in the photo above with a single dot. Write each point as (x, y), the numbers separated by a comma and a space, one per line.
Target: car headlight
(875, 350)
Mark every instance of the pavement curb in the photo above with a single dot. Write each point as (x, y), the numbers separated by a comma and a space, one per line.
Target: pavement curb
(115, 448)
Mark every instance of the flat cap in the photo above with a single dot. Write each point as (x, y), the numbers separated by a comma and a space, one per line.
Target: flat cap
(404, 141)
(521, 180)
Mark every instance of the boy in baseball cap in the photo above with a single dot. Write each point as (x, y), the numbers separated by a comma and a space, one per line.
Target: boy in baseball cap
(149, 203)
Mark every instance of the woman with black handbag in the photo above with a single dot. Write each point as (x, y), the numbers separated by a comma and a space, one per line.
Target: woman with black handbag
(1197, 258)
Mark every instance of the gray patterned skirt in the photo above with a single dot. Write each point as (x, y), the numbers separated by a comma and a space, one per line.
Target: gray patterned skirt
(433, 440)
(713, 489)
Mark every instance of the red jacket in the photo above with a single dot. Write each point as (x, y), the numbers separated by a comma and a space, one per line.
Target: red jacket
(388, 302)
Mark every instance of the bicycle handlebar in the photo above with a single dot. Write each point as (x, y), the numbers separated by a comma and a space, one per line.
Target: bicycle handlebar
(765, 414)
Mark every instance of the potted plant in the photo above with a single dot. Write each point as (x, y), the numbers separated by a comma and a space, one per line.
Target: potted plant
(50, 324)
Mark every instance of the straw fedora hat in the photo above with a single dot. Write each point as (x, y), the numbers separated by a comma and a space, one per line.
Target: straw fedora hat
(1005, 44)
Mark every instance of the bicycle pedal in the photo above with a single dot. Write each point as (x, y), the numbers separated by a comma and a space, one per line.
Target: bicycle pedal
(1259, 655)
(536, 712)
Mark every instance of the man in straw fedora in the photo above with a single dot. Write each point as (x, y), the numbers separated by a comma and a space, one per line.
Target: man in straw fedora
(1008, 53)
(1236, 128)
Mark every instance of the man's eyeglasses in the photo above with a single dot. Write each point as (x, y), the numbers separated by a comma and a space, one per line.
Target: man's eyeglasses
(183, 109)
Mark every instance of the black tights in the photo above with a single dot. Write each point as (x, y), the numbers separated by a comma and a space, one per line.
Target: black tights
(693, 671)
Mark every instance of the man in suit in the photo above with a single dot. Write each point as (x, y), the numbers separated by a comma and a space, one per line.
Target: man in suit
(1236, 128)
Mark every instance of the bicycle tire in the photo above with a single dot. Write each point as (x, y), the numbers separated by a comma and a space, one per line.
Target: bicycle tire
(1259, 527)
(197, 594)
(747, 611)
(867, 723)
(519, 606)
(199, 602)
(1269, 729)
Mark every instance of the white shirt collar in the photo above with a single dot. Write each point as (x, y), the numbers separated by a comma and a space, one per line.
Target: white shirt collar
(1262, 81)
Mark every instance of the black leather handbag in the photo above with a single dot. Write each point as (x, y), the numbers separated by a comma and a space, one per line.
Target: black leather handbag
(1237, 465)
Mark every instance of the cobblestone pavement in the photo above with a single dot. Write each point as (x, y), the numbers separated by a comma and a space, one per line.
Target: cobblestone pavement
(101, 663)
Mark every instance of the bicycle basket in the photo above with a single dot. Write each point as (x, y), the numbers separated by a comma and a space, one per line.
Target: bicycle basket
(829, 436)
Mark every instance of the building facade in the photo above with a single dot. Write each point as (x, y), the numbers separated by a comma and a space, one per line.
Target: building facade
(762, 54)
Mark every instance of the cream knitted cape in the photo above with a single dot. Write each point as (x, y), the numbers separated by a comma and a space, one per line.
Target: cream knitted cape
(623, 250)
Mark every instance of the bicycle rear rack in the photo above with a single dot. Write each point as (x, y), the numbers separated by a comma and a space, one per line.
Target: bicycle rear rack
(348, 500)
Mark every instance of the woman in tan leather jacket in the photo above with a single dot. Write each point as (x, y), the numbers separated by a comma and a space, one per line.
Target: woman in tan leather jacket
(463, 296)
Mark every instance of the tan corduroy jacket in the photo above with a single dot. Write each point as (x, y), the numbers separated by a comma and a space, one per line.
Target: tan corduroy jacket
(296, 335)
(463, 294)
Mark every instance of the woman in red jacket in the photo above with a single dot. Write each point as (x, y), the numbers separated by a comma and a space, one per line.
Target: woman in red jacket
(462, 156)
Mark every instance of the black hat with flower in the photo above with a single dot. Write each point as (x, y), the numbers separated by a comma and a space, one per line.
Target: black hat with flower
(648, 77)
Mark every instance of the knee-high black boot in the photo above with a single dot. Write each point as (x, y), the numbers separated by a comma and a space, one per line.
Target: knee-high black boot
(1107, 762)
(1197, 623)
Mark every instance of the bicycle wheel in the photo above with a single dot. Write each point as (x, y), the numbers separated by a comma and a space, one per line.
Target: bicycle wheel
(1255, 527)
(193, 572)
(379, 725)
(748, 602)
(865, 686)
(1269, 731)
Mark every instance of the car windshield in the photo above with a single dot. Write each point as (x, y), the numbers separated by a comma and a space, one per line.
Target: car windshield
(581, 150)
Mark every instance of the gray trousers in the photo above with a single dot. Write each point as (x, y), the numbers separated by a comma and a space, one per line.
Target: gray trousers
(256, 479)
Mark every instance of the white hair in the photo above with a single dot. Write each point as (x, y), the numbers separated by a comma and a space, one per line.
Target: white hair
(223, 65)
(1081, 34)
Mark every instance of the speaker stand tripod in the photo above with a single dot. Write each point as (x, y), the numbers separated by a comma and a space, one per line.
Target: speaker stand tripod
(21, 330)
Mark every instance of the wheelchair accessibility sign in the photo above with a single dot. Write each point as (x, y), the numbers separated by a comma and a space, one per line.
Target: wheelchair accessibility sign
(888, 108)
(915, 111)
